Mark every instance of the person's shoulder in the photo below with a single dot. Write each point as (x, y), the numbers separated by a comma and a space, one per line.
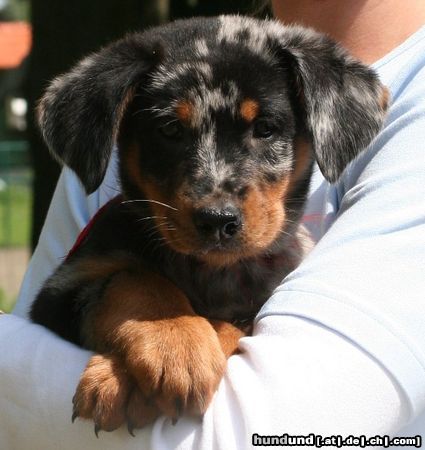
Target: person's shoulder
(397, 151)
(403, 71)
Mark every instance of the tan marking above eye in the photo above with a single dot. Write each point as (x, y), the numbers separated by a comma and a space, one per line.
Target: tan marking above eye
(249, 109)
(184, 111)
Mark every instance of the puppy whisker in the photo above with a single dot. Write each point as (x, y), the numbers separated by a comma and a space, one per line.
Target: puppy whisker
(156, 228)
(150, 201)
(170, 121)
(151, 110)
(151, 217)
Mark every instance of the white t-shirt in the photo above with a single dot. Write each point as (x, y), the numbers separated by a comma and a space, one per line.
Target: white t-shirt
(339, 348)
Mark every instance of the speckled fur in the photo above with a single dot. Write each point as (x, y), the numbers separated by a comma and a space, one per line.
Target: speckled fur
(222, 81)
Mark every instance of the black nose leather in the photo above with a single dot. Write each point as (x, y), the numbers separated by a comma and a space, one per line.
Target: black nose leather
(220, 223)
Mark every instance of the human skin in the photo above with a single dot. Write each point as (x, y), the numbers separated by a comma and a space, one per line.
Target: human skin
(368, 29)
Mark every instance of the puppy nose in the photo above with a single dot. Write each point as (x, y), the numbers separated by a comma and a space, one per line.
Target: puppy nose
(221, 223)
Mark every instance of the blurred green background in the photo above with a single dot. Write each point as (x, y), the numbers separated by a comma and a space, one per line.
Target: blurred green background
(38, 40)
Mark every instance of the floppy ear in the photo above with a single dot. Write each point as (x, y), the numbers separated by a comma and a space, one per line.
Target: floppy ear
(342, 102)
(80, 112)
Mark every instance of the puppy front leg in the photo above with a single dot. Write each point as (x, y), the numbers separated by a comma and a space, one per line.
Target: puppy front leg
(110, 396)
(229, 335)
(174, 356)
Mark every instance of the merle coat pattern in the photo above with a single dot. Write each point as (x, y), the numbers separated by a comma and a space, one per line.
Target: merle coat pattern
(217, 123)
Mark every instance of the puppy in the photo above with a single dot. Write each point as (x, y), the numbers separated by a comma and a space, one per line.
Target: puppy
(217, 123)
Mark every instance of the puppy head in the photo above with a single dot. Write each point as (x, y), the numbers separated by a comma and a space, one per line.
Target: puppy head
(217, 122)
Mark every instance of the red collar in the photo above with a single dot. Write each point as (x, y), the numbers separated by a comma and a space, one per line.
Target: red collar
(86, 230)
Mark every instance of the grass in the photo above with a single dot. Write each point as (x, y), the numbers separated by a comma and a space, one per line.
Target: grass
(6, 303)
(15, 215)
(15, 222)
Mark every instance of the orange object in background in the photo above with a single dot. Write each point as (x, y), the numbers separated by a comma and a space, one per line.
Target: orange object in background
(15, 43)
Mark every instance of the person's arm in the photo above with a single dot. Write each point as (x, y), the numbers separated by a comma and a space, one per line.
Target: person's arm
(293, 377)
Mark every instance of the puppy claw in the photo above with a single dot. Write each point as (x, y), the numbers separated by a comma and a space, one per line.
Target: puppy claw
(97, 428)
(130, 428)
(174, 420)
(75, 414)
(178, 403)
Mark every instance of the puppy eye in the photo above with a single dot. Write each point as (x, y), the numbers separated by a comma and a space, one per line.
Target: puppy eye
(263, 129)
(171, 130)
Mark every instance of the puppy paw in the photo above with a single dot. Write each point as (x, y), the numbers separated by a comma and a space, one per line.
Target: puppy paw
(140, 411)
(103, 392)
(178, 364)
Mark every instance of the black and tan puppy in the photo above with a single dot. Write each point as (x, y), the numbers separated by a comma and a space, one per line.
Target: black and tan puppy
(217, 123)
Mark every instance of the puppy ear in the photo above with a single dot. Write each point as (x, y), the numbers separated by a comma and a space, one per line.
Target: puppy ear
(341, 101)
(80, 113)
